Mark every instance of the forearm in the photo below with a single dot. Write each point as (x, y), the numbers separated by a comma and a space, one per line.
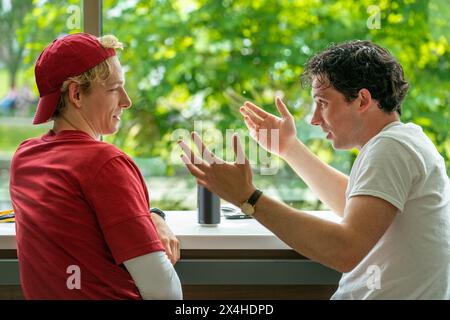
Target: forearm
(317, 239)
(326, 182)
(155, 277)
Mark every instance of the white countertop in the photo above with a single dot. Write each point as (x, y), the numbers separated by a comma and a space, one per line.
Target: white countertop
(242, 234)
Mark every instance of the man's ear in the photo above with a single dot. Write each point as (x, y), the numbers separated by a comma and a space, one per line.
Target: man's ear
(74, 94)
(365, 99)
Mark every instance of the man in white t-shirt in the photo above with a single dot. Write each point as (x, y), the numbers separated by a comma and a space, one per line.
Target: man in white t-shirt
(394, 238)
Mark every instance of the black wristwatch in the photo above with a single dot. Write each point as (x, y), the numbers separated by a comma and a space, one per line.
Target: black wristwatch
(248, 207)
(159, 212)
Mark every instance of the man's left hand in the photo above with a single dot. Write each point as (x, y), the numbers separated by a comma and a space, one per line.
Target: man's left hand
(170, 243)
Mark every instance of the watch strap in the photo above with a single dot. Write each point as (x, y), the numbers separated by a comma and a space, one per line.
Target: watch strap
(254, 197)
(159, 212)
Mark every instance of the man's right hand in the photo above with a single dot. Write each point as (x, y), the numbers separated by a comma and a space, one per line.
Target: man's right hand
(257, 120)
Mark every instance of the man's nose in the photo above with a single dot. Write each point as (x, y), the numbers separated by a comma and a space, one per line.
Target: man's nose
(125, 101)
(316, 120)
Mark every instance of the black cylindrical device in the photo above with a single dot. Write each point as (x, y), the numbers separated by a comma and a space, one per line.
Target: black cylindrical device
(208, 204)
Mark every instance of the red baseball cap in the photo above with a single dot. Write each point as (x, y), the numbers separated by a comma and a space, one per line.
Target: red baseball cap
(66, 57)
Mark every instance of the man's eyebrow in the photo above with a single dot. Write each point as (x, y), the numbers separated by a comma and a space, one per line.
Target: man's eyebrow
(319, 95)
(115, 82)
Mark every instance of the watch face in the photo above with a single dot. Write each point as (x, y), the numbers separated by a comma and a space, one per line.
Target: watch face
(247, 208)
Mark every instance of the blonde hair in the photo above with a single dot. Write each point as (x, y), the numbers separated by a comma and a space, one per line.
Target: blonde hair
(97, 74)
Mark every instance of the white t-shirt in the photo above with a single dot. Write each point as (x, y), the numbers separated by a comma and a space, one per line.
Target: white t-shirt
(412, 259)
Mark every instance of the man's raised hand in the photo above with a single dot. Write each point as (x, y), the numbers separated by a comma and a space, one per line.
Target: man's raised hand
(273, 133)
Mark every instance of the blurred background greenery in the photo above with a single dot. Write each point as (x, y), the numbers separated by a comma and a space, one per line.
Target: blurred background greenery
(199, 60)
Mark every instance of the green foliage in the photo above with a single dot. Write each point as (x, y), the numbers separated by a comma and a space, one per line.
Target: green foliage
(11, 136)
(199, 60)
(27, 27)
(190, 60)
(13, 50)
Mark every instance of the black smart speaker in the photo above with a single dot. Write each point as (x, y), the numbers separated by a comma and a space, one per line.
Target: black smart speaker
(208, 204)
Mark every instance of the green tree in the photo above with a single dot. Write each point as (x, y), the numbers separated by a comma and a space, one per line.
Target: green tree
(199, 60)
(27, 27)
(12, 50)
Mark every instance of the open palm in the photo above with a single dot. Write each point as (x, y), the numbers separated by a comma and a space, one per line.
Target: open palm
(272, 133)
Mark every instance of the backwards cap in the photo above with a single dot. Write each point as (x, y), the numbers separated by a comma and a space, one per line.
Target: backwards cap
(65, 57)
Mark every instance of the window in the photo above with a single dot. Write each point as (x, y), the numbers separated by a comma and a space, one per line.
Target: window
(26, 28)
(190, 64)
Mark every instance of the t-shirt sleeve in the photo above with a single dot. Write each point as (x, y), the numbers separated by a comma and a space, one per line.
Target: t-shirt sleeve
(387, 171)
(118, 195)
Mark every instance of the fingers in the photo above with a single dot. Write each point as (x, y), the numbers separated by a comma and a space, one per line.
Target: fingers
(169, 242)
(196, 166)
(238, 151)
(256, 110)
(167, 247)
(255, 119)
(251, 127)
(284, 112)
(175, 250)
(258, 115)
(196, 172)
(193, 158)
(202, 183)
(204, 151)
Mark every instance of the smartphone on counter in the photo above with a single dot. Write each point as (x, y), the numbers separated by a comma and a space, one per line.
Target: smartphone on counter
(232, 212)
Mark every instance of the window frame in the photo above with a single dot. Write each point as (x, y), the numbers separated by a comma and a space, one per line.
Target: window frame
(92, 17)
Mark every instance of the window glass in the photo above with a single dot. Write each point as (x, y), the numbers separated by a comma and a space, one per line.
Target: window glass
(26, 28)
(192, 63)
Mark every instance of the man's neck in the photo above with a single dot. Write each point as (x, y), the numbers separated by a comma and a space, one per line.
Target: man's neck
(375, 126)
(66, 122)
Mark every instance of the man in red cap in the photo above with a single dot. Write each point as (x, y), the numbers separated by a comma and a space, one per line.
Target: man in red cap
(83, 226)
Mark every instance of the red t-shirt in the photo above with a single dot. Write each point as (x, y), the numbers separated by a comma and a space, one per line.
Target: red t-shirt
(82, 208)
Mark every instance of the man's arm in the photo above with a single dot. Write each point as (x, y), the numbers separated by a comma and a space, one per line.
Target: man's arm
(326, 182)
(340, 246)
(170, 243)
(155, 277)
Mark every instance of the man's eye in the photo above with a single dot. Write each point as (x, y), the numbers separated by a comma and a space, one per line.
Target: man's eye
(320, 104)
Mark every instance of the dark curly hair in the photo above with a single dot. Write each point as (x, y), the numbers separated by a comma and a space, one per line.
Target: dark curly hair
(355, 65)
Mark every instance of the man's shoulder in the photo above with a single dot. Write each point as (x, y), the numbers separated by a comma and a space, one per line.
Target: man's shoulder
(404, 147)
(29, 142)
(393, 151)
(400, 129)
(107, 150)
(74, 149)
(407, 138)
(98, 154)
(27, 148)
